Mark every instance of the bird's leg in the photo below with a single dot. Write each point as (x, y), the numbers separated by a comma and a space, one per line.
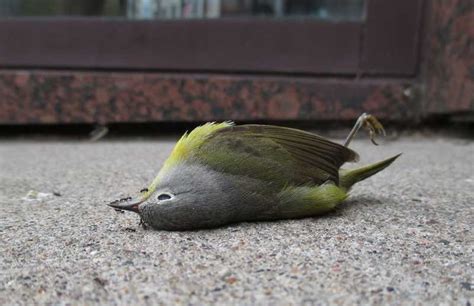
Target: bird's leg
(370, 123)
(143, 224)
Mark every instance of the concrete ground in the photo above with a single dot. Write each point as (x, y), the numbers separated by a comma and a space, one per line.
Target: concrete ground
(404, 237)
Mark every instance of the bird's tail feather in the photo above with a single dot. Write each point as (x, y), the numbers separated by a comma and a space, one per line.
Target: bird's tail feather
(347, 178)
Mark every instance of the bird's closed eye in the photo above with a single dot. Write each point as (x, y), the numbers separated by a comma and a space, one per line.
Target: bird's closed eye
(164, 196)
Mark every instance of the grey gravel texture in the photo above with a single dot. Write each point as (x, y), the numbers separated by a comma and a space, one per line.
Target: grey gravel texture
(403, 238)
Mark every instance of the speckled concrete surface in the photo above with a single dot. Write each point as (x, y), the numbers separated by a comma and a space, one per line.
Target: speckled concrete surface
(404, 237)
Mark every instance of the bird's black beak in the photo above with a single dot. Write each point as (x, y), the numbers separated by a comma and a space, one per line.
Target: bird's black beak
(129, 203)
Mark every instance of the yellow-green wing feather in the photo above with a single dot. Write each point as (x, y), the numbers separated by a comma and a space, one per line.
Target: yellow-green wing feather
(257, 158)
(275, 153)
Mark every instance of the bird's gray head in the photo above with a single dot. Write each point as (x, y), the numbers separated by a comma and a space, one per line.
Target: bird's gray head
(187, 196)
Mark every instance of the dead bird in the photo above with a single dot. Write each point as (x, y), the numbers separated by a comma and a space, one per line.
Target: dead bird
(223, 173)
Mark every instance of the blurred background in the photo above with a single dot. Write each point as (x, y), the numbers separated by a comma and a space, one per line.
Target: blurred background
(176, 9)
(127, 62)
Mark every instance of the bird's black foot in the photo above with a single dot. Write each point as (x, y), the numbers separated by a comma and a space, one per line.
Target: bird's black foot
(143, 224)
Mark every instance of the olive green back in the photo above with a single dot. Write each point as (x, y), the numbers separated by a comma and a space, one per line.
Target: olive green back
(275, 154)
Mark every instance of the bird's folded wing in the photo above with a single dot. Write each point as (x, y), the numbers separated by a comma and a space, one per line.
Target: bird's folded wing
(306, 154)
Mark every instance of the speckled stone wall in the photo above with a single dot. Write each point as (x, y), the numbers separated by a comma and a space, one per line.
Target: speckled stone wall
(105, 97)
(449, 57)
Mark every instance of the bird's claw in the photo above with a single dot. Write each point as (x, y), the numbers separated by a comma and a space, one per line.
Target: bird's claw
(370, 123)
(143, 224)
(374, 127)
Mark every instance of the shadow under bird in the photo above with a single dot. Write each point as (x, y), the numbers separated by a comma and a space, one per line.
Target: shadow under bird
(222, 173)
